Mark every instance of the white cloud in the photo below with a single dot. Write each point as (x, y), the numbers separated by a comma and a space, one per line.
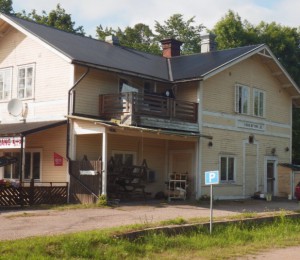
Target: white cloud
(122, 13)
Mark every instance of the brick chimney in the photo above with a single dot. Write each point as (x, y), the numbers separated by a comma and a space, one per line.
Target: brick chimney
(171, 47)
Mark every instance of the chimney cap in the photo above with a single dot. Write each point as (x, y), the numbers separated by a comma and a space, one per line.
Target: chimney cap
(114, 40)
(171, 40)
(171, 47)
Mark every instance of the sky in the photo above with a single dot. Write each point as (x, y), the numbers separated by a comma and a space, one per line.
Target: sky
(122, 13)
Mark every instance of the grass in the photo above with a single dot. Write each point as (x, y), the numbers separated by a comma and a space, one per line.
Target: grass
(227, 241)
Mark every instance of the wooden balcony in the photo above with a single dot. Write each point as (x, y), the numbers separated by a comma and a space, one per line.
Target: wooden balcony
(155, 106)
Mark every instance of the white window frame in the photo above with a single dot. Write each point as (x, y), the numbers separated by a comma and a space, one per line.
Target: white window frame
(234, 168)
(31, 151)
(7, 84)
(26, 85)
(241, 98)
(261, 109)
(114, 152)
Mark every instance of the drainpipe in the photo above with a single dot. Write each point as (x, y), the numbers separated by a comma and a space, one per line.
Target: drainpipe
(68, 122)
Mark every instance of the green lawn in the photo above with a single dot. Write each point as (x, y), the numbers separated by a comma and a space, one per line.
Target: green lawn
(225, 242)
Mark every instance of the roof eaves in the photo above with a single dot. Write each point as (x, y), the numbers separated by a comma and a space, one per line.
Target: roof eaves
(126, 72)
(283, 69)
(231, 62)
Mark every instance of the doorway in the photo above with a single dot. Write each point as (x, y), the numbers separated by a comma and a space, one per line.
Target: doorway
(182, 162)
(271, 174)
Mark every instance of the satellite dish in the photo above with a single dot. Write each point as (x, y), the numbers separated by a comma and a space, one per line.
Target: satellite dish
(15, 107)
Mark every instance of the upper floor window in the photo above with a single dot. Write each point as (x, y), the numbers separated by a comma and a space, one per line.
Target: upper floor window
(258, 102)
(241, 99)
(227, 168)
(149, 87)
(25, 81)
(5, 83)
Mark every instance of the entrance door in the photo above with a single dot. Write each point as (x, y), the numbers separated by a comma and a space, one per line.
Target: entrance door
(270, 177)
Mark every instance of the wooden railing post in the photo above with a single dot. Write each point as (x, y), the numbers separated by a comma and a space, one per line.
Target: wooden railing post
(31, 192)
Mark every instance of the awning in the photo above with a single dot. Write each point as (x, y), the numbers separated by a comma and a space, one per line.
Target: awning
(294, 167)
(112, 125)
(23, 129)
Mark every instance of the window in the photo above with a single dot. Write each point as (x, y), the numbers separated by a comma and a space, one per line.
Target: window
(5, 83)
(25, 81)
(241, 99)
(148, 87)
(258, 100)
(124, 158)
(227, 168)
(32, 167)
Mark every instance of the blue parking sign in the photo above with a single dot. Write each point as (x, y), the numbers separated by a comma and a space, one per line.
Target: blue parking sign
(211, 177)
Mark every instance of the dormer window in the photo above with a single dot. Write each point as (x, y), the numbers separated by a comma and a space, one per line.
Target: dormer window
(242, 99)
(25, 81)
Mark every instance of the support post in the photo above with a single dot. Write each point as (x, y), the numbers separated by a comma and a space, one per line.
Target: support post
(211, 208)
(104, 163)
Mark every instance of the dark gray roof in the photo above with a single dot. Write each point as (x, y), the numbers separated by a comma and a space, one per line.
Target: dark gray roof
(198, 65)
(18, 129)
(85, 50)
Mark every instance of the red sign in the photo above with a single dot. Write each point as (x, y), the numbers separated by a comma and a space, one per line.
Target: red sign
(58, 159)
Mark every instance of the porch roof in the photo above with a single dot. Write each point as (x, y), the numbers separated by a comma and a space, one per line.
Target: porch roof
(24, 129)
(112, 126)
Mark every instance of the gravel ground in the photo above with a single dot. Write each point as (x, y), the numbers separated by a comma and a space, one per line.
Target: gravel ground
(19, 223)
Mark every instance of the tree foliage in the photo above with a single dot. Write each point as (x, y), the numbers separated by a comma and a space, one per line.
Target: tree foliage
(57, 18)
(231, 32)
(185, 31)
(141, 36)
(6, 6)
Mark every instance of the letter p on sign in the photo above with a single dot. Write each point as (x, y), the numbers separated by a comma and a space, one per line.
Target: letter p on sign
(211, 177)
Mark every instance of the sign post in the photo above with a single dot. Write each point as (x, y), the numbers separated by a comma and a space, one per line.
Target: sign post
(211, 178)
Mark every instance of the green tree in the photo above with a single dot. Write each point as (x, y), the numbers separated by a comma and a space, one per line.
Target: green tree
(6, 7)
(139, 37)
(57, 18)
(232, 32)
(186, 31)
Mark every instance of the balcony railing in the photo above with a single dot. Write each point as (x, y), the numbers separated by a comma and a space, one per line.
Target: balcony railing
(147, 105)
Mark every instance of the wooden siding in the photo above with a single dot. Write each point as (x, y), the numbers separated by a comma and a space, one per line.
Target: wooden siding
(187, 91)
(52, 77)
(219, 91)
(87, 92)
(226, 142)
(50, 141)
(89, 145)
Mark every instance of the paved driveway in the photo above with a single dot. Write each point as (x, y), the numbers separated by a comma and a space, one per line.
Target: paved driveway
(25, 223)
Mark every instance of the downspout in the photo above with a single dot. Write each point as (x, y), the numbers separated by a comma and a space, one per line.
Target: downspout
(68, 122)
